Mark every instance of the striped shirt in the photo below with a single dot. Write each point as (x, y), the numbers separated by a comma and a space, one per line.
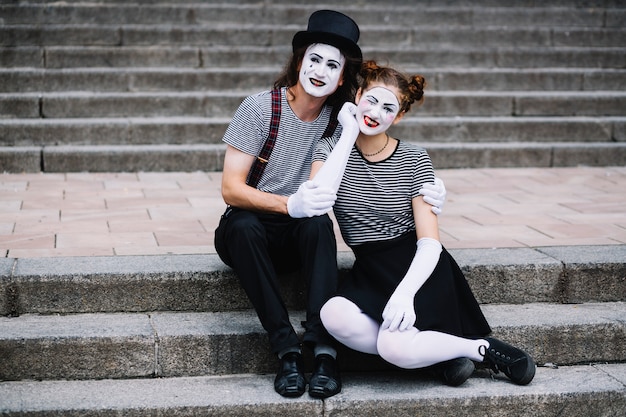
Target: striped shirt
(290, 162)
(374, 198)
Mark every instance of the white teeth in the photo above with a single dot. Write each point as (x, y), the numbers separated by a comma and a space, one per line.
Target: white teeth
(316, 83)
(369, 122)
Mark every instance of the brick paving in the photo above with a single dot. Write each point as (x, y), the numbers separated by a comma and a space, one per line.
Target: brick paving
(117, 214)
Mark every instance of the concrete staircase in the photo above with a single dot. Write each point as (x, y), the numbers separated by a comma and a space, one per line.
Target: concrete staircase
(174, 335)
(151, 84)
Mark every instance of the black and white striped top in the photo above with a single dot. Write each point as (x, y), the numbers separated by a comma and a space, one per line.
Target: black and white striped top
(374, 198)
(290, 162)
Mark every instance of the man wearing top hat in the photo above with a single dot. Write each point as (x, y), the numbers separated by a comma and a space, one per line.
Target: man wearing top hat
(280, 224)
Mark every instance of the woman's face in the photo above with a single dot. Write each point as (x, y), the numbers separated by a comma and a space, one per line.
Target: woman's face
(377, 108)
(321, 70)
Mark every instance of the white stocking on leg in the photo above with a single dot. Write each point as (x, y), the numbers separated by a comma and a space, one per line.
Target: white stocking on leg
(412, 348)
(345, 321)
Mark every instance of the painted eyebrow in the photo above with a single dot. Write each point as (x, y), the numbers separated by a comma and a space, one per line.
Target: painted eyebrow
(384, 104)
(321, 57)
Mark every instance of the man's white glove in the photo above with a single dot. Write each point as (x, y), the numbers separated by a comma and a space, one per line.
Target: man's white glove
(399, 313)
(331, 173)
(435, 195)
(310, 200)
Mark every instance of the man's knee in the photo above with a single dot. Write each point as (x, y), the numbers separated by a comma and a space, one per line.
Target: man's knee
(244, 225)
(318, 226)
(241, 228)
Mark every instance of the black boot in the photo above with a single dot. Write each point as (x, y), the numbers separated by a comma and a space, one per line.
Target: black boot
(290, 380)
(325, 381)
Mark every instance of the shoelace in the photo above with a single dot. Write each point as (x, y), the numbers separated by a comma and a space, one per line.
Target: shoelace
(498, 361)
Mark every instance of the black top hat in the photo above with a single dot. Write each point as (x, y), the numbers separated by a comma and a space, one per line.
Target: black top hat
(332, 28)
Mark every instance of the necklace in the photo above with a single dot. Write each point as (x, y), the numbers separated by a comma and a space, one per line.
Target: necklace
(377, 152)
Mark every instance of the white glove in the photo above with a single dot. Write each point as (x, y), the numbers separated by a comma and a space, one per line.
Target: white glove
(331, 173)
(310, 200)
(399, 313)
(347, 118)
(435, 195)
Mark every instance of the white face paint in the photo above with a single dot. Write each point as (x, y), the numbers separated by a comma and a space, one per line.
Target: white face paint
(376, 110)
(321, 69)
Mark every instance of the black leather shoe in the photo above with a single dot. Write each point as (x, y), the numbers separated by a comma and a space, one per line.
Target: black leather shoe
(453, 372)
(325, 380)
(290, 380)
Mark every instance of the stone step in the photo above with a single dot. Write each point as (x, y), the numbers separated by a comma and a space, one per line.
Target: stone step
(253, 56)
(224, 104)
(401, 13)
(188, 158)
(204, 283)
(575, 391)
(270, 34)
(172, 344)
(210, 130)
(25, 80)
(506, 57)
(429, 3)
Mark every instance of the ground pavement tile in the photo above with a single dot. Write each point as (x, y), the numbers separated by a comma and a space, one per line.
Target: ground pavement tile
(176, 238)
(28, 241)
(103, 214)
(10, 205)
(119, 225)
(58, 226)
(105, 240)
(60, 252)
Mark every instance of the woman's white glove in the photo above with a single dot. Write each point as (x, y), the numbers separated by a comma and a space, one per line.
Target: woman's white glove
(399, 313)
(435, 195)
(347, 118)
(310, 200)
(331, 173)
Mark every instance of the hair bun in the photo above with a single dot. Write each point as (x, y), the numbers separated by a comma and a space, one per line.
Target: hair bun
(411, 88)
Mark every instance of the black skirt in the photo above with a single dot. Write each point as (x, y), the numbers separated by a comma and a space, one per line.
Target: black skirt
(444, 303)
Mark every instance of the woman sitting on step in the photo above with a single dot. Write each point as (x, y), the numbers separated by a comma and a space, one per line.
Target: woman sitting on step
(406, 298)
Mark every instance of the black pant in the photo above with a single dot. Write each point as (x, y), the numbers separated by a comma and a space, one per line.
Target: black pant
(258, 246)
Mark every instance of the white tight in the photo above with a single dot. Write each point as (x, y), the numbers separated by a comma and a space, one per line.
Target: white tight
(409, 349)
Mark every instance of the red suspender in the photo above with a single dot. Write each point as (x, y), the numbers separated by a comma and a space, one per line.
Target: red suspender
(261, 161)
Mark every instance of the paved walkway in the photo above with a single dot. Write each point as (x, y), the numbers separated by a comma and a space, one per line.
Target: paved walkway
(106, 214)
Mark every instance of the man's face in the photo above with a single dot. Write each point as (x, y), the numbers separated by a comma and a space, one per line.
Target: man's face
(377, 109)
(321, 70)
